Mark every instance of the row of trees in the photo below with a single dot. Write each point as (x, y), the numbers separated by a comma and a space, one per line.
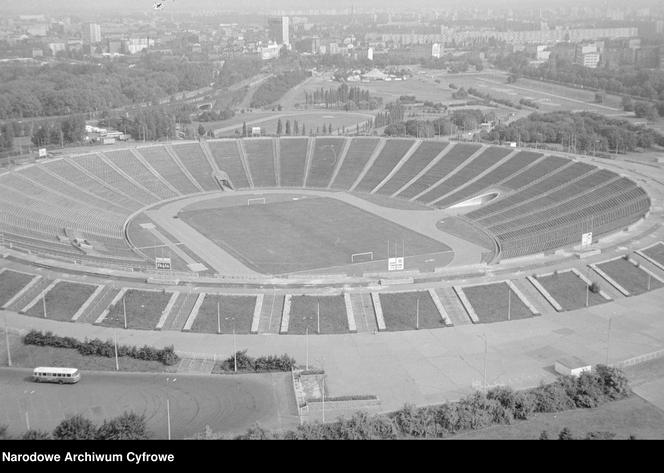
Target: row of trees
(65, 89)
(466, 120)
(477, 411)
(60, 132)
(343, 97)
(646, 83)
(583, 132)
(128, 426)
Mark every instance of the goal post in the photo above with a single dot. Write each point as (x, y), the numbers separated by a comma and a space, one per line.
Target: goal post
(256, 200)
(362, 257)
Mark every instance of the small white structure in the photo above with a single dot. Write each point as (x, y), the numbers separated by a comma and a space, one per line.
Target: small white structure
(572, 366)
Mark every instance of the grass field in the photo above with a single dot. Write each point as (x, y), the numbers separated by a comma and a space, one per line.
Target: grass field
(304, 314)
(632, 278)
(143, 309)
(303, 235)
(492, 302)
(235, 313)
(10, 283)
(400, 311)
(62, 301)
(655, 252)
(569, 290)
(311, 119)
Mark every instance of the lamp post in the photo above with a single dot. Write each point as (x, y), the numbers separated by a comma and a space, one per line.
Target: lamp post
(509, 303)
(306, 346)
(218, 317)
(232, 317)
(608, 340)
(9, 354)
(417, 314)
(124, 311)
(168, 408)
(318, 315)
(115, 345)
(44, 305)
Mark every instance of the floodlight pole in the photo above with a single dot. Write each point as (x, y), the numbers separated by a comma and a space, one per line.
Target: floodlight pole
(318, 314)
(417, 314)
(44, 305)
(115, 344)
(648, 281)
(124, 311)
(9, 354)
(168, 417)
(587, 294)
(218, 317)
(608, 340)
(234, 351)
(509, 303)
(306, 345)
(485, 356)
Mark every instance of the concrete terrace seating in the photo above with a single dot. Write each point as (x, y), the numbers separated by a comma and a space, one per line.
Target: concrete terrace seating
(125, 160)
(227, 157)
(565, 204)
(159, 158)
(470, 169)
(514, 164)
(69, 172)
(421, 157)
(545, 202)
(560, 177)
(260, 158)
(356, 158)
(292, 161)
(96, 166)
(385, 162)
(192, 157)
(452, 159)
(326, 156)
(566, 191)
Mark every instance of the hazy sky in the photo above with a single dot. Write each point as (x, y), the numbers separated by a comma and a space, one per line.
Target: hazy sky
(88, 6)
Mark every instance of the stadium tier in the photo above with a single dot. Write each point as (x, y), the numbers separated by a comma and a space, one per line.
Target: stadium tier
(541, 203)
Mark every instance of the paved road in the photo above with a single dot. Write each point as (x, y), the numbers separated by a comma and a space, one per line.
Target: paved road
(227, 404)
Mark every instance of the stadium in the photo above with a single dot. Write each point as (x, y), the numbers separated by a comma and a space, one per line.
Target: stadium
(322, 235)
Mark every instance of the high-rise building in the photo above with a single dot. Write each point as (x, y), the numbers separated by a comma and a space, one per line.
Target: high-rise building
(91, 33)
(587, 55)
(436, 50)
(279, 29)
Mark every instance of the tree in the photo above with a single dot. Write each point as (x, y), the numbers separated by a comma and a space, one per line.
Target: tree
(627, 103)
(128, 426)
(645, 110)
(279, 127)
(565, 434)
(244, 129)
(288, 130)
(75, 428)
(201, 130)
(296, 129)
(3, 432)
(304, 132)
(36, 435)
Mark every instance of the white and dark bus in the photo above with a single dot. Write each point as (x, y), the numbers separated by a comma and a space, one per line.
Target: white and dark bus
(44, 374)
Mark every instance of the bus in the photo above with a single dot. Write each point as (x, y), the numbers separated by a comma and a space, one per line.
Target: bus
(56, 375)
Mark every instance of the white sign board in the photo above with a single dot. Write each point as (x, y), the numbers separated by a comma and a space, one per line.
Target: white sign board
(586, 239)
(395, 264)
(42, 152)
(163, 263)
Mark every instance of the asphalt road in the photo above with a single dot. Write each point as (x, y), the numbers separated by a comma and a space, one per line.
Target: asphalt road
(227, 403)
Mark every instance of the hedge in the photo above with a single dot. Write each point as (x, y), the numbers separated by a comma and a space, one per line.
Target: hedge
(500, 405)
(260, 364)
(97, 347)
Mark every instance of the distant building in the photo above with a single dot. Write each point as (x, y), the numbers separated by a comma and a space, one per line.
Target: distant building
(279, 29)
(56, 47)
(136, 45)
(370, 54)
(436, 50)
(587, 55)
(542, 53)
(91, 33)
(271, 51)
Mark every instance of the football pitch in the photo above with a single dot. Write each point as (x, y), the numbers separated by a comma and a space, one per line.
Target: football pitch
(306, 234)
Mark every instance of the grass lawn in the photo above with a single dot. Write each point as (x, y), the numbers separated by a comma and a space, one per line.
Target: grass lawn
(62, 301)
(29, 356)
(303, 235)
(492, 302)
(10, 283)
(400, 311)
(634, 279)
(655, 252)
(235, 313)
(304, 313)
(143, 309)
(569, 290)
(311, 119)
(631, 416)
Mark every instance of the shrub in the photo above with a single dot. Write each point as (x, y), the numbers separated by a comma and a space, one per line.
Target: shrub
(551, 398)
(36, 435)
(262, 363)
(128, 426)
(75, 428)
(565, 434)
(600, 435)
(614, 383)
(520, 404)
(3, 432)
(256, 432)
(594, 287)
